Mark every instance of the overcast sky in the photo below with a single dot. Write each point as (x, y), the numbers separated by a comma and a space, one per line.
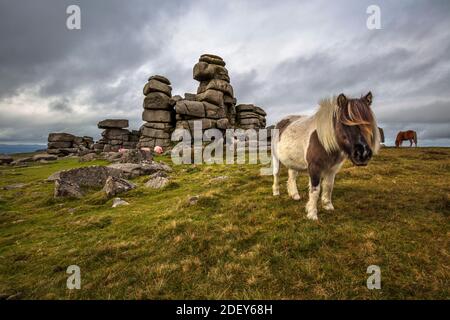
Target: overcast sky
(281, 55)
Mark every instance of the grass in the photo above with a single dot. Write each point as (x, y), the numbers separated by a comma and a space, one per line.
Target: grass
(237, 241)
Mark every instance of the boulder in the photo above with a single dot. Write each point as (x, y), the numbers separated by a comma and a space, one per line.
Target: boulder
(166, 127)
(157, 182)
(155, 133)
(157, 86)
(190, 96)
(132, 170)
(160, 79)
(22, 161)
(157, 100)
(191, 108)
(135, 156)
(260, 111)
(67, 188)
(116, 134)
(60, 144)
(213, 59)
(212, 96)
(250, 121)
(113, 123)
(88, 157)
(5, 159)
(175, 99)
(204, 71)
(216, 84)
(157, 116)
(212, 111)
(245, 107)
(53, 137)
(44, 156)
(206, 123)
(223, 124)
(114, 186)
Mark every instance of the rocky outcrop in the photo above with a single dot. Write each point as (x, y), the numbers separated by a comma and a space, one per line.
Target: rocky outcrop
(63, 144)
(69, 183)
(249, 116)
(214, 102)
(115, 136)
(158, 113)
(5, 159)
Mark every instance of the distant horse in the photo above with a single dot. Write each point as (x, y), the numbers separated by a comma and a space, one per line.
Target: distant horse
(381, 134)
(406, 135)
(342, 128)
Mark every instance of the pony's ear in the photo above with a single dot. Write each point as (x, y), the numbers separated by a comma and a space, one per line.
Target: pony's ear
(342, 100)
(368, 98)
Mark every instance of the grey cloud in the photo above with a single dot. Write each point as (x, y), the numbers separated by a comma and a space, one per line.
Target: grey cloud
(104, 65)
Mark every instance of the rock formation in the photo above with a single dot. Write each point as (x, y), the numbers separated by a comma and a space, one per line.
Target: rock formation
(214, 103)
(63, 144)
(249, 116)
(115, 136)
(158, 113)
(5, 159)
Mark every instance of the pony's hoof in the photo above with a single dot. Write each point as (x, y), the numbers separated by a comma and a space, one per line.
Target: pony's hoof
(312, 214)
(276, 193)
(312, 217)
(296, 196)
(328, 206)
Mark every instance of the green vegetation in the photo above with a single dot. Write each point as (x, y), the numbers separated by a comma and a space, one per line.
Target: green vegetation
(237, 241)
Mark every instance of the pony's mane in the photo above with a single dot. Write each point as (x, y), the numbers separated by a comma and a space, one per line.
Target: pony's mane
(356, 114)
(324, 118)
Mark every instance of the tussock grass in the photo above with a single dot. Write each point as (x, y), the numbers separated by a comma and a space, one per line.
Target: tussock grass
(236, 241)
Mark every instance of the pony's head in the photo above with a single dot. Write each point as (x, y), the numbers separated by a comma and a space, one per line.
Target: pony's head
(349, 125)
(356, 129)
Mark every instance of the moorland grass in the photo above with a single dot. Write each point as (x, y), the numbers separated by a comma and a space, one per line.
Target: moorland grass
(236, 241)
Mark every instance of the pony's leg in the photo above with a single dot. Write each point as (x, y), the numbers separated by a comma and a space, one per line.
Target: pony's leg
(314, 192)
(276, 176)
(410, 142)
(327, 189)
(292, 184)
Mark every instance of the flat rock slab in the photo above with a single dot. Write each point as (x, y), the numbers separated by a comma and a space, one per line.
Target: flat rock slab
(113, 123)
(44, 156)
(61, 136)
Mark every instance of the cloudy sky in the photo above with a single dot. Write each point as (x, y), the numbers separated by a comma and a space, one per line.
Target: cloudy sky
(281, 55)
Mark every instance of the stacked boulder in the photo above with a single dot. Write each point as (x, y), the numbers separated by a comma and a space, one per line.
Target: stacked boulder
(158, 113)
(115, 136)
(249, 116)
(63, 144)
(214, 103)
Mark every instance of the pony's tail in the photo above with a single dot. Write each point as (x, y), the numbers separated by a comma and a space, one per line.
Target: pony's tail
(415, 138)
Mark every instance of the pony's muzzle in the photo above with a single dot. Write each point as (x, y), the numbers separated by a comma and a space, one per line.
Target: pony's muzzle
(361, 154)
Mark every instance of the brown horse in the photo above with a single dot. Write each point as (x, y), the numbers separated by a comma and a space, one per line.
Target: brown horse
(406, 135)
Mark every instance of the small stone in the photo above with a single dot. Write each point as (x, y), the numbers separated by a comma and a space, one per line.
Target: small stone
(193, 200)
(14, 186)
(119, 202)
(157, 182)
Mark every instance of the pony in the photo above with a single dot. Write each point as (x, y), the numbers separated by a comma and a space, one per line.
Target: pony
(406, 135)
(341, 128)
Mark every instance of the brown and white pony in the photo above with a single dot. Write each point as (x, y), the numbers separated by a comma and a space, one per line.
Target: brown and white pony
(406, 135)
(342, 128)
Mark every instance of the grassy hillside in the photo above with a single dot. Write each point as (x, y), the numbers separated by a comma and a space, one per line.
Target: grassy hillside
(237, 241)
